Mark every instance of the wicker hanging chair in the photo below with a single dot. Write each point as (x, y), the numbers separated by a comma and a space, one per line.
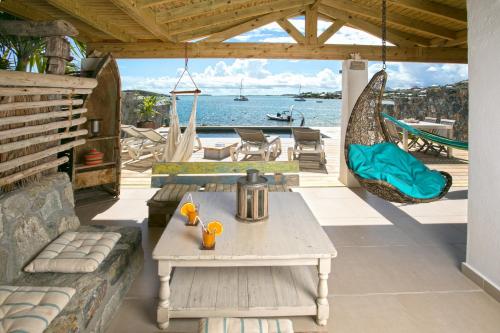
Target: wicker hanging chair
(366, 126)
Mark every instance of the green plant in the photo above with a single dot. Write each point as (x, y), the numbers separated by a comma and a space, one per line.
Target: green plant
(27, 53)
(147, 111)
(78, 52)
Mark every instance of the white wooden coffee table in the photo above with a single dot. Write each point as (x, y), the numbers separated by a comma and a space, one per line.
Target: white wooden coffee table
(279, 267)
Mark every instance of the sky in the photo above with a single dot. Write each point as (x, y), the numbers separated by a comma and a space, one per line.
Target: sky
(275, 77)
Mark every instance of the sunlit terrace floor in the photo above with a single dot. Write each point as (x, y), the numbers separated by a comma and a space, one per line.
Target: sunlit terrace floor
(137, 174)
(397, 268)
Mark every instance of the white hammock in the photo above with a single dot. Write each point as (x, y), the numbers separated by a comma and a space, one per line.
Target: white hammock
(179, 146)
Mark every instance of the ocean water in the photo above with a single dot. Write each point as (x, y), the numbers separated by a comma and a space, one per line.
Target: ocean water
(224, 111)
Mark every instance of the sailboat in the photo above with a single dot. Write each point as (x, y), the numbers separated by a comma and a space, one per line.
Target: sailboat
(299, 98)
(241, 98)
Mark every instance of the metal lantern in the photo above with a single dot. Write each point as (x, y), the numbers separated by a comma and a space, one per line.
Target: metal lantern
(95, 127)
(252, 197)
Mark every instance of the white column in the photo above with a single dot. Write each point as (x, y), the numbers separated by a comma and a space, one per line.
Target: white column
(483, 239)
(354, 80)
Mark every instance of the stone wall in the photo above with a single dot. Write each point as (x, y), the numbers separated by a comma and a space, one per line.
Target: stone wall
(131, 102)
(449, 102)
(30, 217)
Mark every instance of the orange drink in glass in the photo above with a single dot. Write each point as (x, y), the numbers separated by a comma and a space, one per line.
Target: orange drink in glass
(207, 239)
(208, 234)
(190, 210)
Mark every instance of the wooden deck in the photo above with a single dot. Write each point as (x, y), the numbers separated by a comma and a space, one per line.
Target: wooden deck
(137, 174)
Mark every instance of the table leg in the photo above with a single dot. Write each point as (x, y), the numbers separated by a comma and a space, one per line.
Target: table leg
(322, 300)
(449, 151)
(164, 295)
(405, 140)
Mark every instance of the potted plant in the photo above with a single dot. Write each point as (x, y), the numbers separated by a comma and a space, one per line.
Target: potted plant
(147, 112)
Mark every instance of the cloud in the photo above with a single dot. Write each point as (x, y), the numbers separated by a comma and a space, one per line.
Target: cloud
(281, 39)
(224, 78)
(407, 75)
(348, 35)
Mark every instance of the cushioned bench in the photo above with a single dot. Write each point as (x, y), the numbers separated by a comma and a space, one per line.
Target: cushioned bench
(98, 294)
(50, 205)
(165, 201)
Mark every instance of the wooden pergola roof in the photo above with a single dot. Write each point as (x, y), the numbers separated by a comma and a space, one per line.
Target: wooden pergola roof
(421, 30)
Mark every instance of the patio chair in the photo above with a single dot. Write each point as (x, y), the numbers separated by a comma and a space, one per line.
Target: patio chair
(141, 141)
(307, 141)
(393, 132)
(436, 147)
(254, 142)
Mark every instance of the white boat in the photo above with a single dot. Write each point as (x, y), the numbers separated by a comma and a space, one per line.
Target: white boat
(299, 98)
(282, 116)
(241, 98)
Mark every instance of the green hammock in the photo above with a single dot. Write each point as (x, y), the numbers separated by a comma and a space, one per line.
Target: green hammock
(429, 136)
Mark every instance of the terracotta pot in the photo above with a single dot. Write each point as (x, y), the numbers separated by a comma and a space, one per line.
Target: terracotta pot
(146, 124)
(94, 157)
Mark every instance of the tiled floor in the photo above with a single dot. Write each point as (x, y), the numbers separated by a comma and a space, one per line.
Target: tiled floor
(397, 268)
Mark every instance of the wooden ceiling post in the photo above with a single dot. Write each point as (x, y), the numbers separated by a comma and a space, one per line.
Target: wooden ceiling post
(312, 24)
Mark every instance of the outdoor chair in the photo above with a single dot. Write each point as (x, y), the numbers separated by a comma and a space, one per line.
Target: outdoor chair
(393, 132)
(366, 132)
(142, 141)
(307, 141)
(435, 147)
(254, 142)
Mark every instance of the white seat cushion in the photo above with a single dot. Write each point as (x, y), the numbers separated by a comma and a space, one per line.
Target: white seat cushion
(74, 252)
(245, 325)
(31, 309)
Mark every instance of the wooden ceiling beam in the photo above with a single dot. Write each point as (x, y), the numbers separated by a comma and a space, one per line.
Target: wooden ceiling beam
(311, 24)
(460, 39)
(205, 31)
(191, 10)
(434, 8)
(395, 37)
(144, 17)
(153, 3)
(253, 24)
(395, 18)
(82, 12)
(330, 31)
(26, 12)
(280, 51)
(38, 28)
(235, 15)
(291, 30)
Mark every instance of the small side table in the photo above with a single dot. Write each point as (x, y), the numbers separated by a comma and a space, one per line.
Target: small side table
(218, 151)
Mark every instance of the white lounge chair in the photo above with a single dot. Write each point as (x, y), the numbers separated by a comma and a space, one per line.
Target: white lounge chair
(254, 142)
(307, 141)
(142, 141)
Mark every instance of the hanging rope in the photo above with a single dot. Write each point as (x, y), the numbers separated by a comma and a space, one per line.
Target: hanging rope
(186, 70)
(179, 146)
(384, 33)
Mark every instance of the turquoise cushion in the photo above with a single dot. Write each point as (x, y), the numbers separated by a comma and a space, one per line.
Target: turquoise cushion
(389, 163)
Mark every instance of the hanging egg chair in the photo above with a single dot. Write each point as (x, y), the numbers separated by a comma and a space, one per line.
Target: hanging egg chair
(379, 165)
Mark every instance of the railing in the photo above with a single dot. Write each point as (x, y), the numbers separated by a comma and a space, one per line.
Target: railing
(37, 111)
